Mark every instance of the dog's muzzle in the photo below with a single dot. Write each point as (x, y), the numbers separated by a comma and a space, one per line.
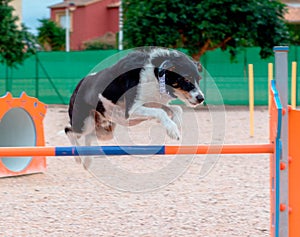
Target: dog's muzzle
(200, 98)
(195, 97)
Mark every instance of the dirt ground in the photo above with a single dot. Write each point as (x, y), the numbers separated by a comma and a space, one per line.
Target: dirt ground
(205, 196)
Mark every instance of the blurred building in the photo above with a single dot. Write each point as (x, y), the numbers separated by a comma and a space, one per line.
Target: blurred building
(96, 19)
(89, 19)
(17, 5)
(293, 14)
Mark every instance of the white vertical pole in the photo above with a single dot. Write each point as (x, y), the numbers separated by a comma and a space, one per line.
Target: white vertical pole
(67, 30)
(281, 75)
(120, 45)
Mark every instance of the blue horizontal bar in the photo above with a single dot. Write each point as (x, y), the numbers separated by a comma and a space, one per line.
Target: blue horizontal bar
(281, 48)
(109, 150)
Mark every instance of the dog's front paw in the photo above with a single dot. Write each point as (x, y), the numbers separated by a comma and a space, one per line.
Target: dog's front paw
(177, 115)
(173, 131)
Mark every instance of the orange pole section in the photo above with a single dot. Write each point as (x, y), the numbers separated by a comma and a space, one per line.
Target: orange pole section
(294, 173)
(221, 149)
(27, 151)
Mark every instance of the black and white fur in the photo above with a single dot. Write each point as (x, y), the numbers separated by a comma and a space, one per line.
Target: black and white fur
(137, 88)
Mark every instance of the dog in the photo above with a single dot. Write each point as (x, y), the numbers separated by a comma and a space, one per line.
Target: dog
(137, 88)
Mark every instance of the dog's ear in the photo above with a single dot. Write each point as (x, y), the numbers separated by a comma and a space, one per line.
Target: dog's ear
(199, 66)
(165, 65)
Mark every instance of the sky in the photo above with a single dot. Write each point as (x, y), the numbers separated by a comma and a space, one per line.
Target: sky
(32, 10)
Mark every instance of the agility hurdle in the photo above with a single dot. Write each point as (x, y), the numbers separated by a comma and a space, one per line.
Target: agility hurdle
(135, 150)
(283, 149)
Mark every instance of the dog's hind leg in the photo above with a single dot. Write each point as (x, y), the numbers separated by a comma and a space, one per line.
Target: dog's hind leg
(102, 129)
(88, 139)
(73, 138)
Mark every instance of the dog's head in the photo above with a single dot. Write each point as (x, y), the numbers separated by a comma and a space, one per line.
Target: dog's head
(181, 76)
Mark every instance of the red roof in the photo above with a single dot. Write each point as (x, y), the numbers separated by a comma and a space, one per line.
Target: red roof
(114, 4)
(76, 2)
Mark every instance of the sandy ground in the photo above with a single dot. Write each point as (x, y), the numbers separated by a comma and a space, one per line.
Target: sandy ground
(147, 196)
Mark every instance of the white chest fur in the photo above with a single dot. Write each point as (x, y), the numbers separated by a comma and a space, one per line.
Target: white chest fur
(148, 88)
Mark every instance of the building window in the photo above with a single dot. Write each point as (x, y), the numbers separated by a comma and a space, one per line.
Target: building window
(60, 18)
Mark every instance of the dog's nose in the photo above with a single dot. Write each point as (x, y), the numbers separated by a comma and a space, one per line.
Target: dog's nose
(200, 98)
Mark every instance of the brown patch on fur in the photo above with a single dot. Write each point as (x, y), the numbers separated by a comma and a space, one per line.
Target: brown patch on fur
(103, 127)
(185, 93)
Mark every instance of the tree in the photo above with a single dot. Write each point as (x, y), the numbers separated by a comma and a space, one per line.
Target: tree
(50, 35)
(16, 44)
(295, 33)
(107, 41)
(205, 25)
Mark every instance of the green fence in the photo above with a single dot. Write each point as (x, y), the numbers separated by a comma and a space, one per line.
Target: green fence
(231, 78)
(52, 76)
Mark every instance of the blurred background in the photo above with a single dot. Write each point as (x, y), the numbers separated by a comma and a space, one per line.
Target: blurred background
(62, 41)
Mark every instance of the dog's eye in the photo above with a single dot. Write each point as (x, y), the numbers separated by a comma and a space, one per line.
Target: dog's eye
(187, 79)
